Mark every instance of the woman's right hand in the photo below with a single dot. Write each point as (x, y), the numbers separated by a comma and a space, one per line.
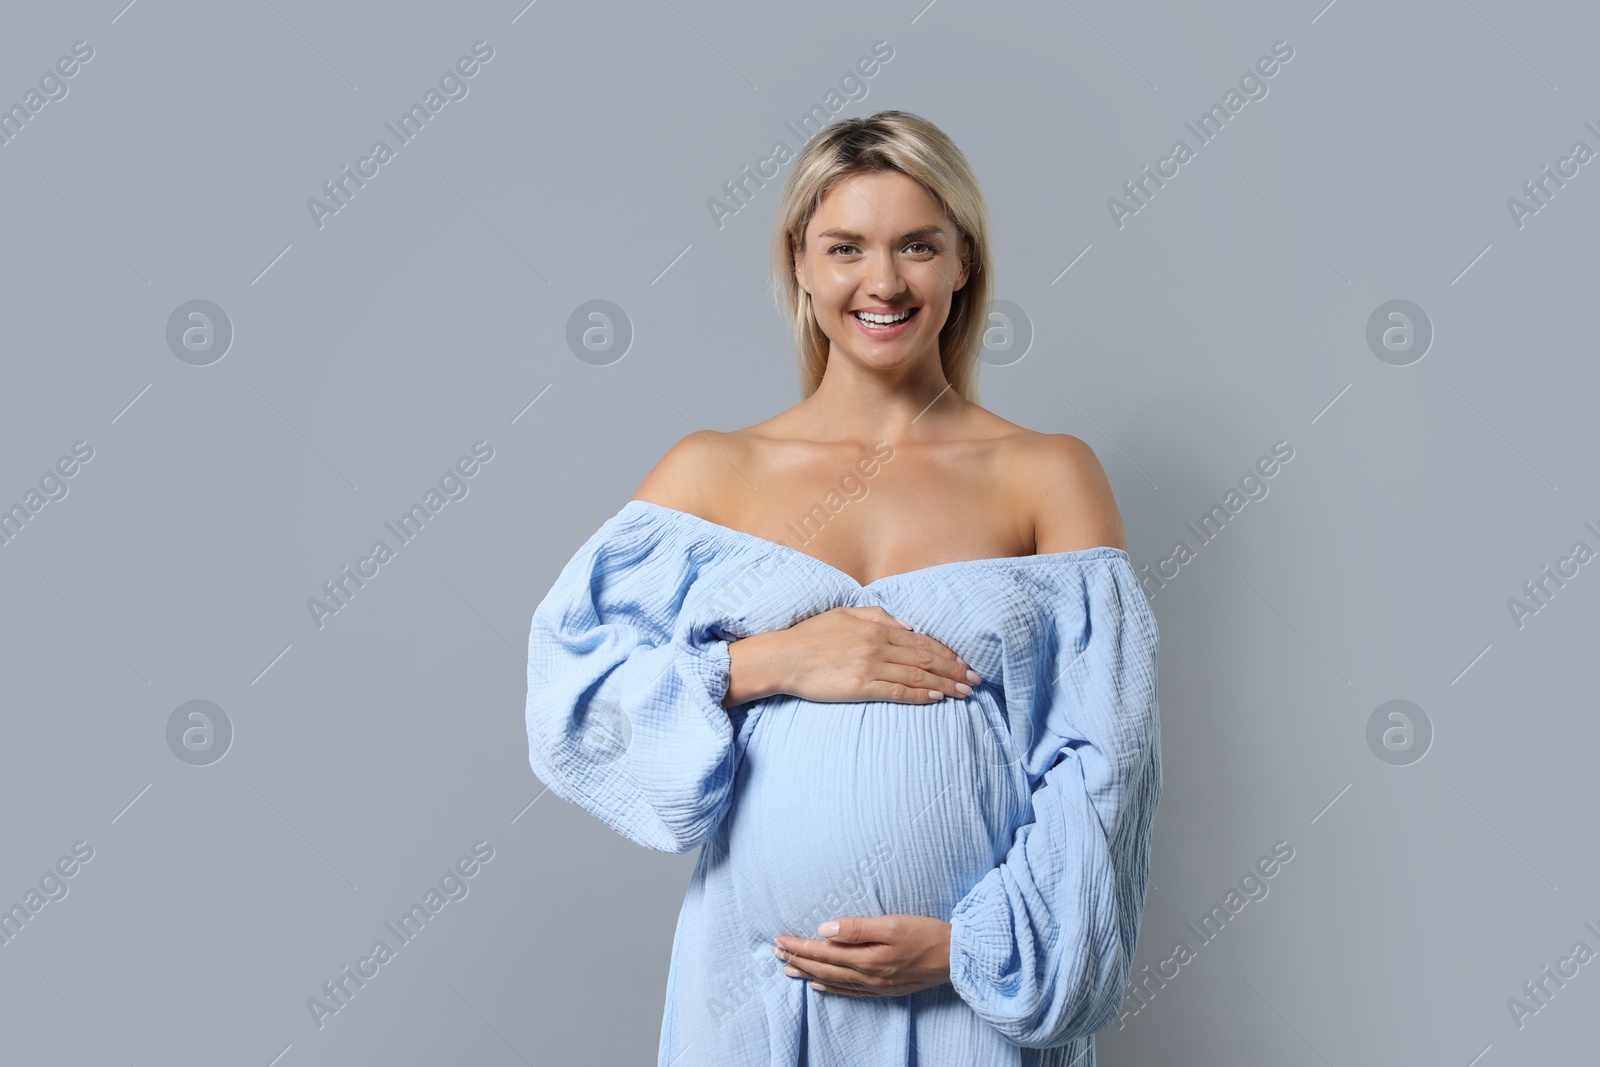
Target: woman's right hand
(847, 654)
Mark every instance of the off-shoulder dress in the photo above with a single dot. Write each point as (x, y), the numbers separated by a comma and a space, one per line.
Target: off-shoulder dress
(1021, 814)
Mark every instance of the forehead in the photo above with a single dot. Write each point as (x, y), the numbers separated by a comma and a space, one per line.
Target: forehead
(880, 202)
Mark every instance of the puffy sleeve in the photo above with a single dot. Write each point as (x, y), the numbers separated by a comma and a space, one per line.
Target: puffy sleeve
(625, 689)
(1041, 947)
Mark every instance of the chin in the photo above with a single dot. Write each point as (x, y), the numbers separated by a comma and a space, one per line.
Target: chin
(886, 358)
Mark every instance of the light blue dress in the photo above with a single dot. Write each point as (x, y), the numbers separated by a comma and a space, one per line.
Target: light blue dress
(1021, 814)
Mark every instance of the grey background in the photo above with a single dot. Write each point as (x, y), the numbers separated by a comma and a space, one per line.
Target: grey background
(369, 754)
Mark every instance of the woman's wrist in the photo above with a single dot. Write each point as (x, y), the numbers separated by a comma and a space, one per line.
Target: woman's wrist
(752, 672)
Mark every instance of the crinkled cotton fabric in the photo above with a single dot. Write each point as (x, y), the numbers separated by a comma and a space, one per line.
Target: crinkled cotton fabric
(1021, 814)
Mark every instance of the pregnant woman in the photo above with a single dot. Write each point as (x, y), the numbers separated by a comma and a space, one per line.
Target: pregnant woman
(883, 658)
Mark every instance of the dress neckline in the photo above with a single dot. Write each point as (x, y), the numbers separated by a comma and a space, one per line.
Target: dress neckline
(1075, 555)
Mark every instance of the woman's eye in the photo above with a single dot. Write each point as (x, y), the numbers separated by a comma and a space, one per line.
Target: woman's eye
(915, 248)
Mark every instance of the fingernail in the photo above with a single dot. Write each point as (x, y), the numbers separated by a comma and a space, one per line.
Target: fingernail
(964, 689)
(973, 677)
(828, 929)
(778, 952)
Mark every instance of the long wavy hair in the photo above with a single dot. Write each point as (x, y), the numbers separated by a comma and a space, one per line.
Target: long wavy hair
(886, 141)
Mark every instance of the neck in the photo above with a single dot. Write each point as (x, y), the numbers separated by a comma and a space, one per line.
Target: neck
(901, 404)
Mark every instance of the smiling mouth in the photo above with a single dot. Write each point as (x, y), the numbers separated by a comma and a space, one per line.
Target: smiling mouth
(884, 321)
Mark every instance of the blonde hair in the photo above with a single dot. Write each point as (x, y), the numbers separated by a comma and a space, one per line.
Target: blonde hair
(887, 141)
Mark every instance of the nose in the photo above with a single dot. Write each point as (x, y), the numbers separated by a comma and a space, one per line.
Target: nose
(883, 279)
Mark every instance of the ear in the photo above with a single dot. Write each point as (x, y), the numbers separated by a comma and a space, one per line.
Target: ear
(961, 277)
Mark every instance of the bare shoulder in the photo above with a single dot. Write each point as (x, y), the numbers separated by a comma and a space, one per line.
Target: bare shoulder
(692, 475)
(1069, 494)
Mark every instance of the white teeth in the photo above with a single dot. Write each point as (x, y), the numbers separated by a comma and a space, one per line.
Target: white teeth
(883, 320)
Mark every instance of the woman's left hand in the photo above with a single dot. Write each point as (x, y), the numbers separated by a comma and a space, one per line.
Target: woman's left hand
(888, 956)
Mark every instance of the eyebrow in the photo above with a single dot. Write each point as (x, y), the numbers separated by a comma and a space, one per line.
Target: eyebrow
(846, 235)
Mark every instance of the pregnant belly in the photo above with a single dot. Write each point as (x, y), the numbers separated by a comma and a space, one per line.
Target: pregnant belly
(868, 809)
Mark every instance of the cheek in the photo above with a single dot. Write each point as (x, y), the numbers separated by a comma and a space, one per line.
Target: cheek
(935, 282)
(836, 278)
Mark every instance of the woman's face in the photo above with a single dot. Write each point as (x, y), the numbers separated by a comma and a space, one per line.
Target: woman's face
(879, 243)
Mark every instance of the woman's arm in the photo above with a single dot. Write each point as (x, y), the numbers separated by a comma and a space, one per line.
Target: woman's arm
(753, 670)
(1040, 948)
(624, 707)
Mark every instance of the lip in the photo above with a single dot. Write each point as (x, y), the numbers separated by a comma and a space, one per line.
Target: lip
(884, 333)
